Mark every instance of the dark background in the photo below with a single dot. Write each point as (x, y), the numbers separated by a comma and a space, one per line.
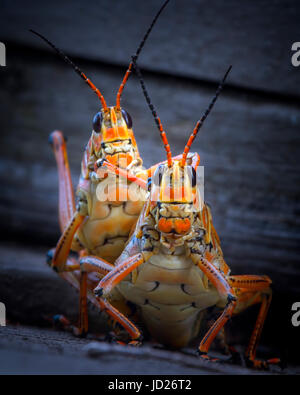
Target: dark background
(250, 144)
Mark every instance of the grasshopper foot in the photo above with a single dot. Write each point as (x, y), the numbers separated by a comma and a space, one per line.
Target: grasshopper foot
(205, 357)
(49, 257)
(261, 364)
(79, 332)
(59, 321)
(235, 356)
(133, 343)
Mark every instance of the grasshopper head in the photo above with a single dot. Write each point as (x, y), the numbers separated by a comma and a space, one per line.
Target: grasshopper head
(113, 137)
(174, 200)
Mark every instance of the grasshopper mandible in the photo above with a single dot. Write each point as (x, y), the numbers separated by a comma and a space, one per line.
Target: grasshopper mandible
(94, 227)
(173, 268)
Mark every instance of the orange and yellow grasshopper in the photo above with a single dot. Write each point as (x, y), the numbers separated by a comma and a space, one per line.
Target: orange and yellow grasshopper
(172, 268)
(95, 227)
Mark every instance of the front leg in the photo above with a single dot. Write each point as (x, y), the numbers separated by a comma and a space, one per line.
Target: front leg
(219, 281)
(118, 274)
(106, 285)
(137, 179)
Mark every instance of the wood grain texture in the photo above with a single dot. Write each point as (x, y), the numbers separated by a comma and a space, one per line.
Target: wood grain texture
(192, 38)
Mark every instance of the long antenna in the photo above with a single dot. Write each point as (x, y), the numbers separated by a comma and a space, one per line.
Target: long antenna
(152, 109)
(76, 68)
(135, 57)
(201, 121)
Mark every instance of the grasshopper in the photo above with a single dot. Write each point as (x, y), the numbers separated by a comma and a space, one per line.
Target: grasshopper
(173, 268)
(93, 227)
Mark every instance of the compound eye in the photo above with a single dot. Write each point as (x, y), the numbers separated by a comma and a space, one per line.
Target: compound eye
(127, 118)
(157, 176)
(194, 177)
(97, 122)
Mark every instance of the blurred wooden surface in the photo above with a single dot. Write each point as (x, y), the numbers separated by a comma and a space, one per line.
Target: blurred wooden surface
(192, 38)
(249, 145)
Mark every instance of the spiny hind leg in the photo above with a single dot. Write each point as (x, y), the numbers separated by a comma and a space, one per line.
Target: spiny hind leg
(66, 205)
(69, 219)
(58, 259)
(71, 274)
(252, 290)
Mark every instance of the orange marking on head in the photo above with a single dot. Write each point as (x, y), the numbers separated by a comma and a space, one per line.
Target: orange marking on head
(165, 225)
(113, 116)
(120, 160)
(122, 132)
(182, 225)
(175, 193)
(118, 129)
(109, 135)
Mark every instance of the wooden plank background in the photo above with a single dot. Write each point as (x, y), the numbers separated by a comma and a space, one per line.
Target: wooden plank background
(193, 38)
(250, 144)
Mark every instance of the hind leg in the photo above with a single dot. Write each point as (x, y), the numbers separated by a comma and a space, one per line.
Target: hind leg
(66, 205)
(252, 290)
(69, 221)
